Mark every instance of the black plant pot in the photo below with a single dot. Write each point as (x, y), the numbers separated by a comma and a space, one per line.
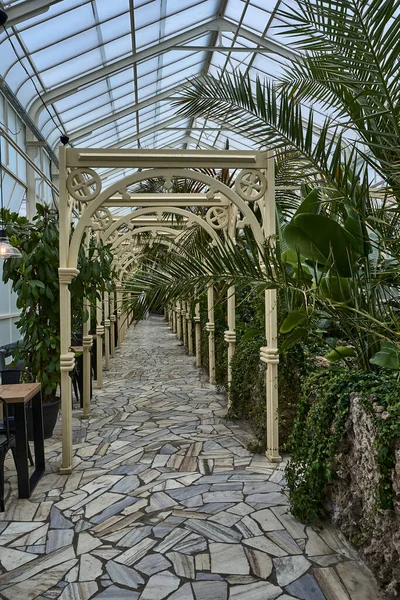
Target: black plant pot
(50, 414)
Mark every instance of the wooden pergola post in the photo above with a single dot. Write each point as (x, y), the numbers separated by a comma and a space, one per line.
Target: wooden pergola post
(269, 353)
(210, 327)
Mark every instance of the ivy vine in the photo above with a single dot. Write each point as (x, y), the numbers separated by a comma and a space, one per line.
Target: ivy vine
(319, 427)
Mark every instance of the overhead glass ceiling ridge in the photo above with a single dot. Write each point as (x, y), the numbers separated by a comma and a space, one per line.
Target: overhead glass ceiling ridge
(109, 71)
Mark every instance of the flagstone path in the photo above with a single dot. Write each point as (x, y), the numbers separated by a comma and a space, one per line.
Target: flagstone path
(165, 501)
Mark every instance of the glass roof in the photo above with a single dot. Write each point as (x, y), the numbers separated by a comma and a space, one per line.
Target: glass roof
(108, 71)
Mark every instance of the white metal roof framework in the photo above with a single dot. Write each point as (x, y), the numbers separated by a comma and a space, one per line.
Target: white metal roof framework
(108, 71)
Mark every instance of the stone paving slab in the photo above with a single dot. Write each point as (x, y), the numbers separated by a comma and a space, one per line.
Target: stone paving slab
(165, 501)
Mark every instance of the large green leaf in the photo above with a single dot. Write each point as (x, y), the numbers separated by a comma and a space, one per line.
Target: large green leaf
(251, 334)
(294, 318)
(294, 337)
(335, 288)
(340, 352)
(322, 239)
(310, 204)
(388, 357)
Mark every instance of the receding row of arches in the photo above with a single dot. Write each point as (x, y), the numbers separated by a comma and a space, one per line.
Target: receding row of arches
(222, 213)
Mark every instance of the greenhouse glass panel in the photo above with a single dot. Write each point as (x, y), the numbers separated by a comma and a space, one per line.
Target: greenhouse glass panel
(77, 45)
(58, 28)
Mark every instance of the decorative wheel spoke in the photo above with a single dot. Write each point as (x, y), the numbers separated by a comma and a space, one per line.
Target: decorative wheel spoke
(83, 184)
(250, 184)
(102, 219)
(217, 217)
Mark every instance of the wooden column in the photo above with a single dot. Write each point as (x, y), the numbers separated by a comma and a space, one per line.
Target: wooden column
(66, 273)
(197, 333)
(269, 353)
(178, 321)
(230, 334)
(67, 363)
(107, 325)
(184, 324)
(210, 327)
(170, 317)
(174, 320)
(99, 344)
(118, 302)
(189, 328)
(87, 341)
(113, 319)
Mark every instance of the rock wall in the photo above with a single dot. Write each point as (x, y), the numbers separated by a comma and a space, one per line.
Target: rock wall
(351, 500)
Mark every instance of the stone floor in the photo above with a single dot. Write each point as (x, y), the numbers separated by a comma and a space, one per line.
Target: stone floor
(165, 501)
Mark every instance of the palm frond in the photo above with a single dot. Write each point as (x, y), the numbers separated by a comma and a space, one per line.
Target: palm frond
(350, 63)
(278, 120)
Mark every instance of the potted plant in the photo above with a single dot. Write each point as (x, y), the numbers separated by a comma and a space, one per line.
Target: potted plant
(34, 279)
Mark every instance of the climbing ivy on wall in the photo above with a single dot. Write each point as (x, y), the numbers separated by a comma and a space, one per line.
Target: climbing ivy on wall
(247, 391)
(319, 427)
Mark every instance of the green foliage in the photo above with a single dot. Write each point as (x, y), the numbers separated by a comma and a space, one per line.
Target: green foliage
(322, 240)
(336, 258)
(383, 389)
(318, 430)
(340, 352)
(247, 390)
(387, 357)
(221, 358)
(34, 279)
(294, 318)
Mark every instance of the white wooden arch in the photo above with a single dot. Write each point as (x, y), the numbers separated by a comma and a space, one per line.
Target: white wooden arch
(117, 245)
(129, 259)
(192, 219)
(80, 190)
(120, 187)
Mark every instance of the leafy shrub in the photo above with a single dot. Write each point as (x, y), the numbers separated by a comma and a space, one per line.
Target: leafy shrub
(318, 430)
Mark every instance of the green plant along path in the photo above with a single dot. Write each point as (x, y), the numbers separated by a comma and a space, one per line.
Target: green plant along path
(35, 281)
(318, 430)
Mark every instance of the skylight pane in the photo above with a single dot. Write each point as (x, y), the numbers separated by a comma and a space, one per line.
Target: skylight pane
(147, 36)
(51, 55)
(72, 68)
(191, 16)
(118, 48)
(108, 10)
(81, 96)
(58, 28)
(256, 18)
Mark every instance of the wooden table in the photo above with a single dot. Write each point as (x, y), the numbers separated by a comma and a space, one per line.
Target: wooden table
(18, 395)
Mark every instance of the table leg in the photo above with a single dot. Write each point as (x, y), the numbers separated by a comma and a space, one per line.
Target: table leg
(38, 438)
(21, 450)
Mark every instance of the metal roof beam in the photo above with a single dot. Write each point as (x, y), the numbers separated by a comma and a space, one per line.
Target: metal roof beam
(62, 91)
(241, 49)
(80, 133)
(145, 132)
(265, 42)
(27, 10)
(188, 139)
(214, 39)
